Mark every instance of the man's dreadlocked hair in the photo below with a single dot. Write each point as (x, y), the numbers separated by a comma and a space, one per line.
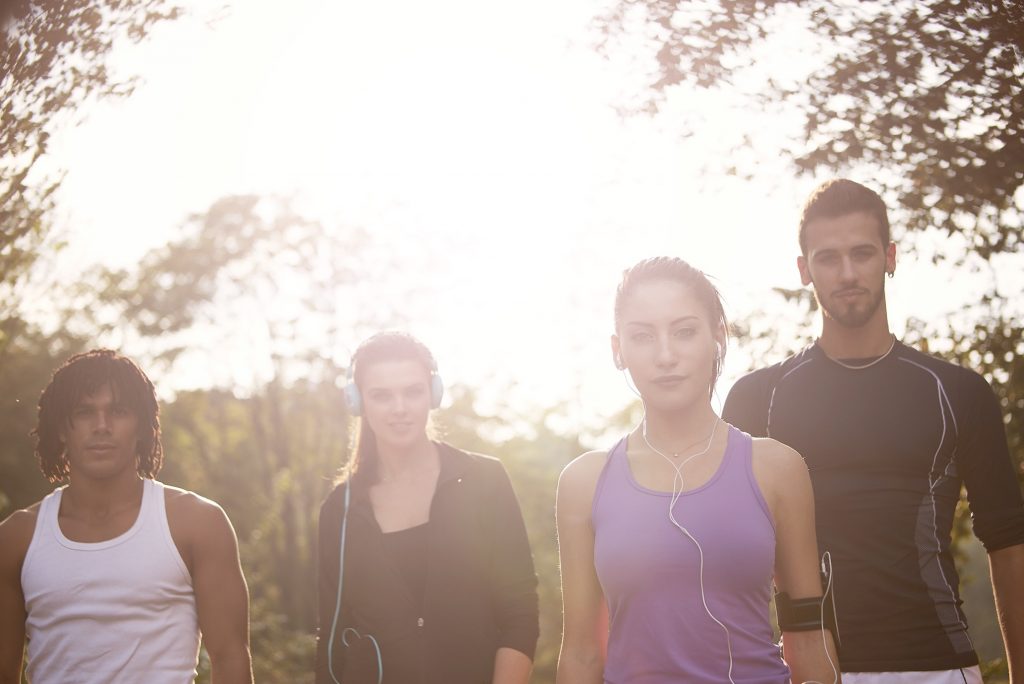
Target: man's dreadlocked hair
(82, 375)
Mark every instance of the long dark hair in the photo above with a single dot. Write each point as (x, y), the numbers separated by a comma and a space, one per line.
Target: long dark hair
(385, 346)
(80, 376)
(675, 269)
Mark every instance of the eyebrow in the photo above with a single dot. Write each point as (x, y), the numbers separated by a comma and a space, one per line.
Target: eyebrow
(89, 401)
(92, 405)
(832, 250)
(419, 383)
(677, 321)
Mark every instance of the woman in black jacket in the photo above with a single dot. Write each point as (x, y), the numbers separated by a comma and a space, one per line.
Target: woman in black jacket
(438, 584)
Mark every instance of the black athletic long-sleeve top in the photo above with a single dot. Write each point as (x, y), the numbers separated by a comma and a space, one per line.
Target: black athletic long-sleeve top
(888, 447)
(480, 586)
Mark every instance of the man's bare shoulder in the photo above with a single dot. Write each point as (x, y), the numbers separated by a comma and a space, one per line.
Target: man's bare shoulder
(191, 513)
(16, 533)
(176, 496)
(199, 526)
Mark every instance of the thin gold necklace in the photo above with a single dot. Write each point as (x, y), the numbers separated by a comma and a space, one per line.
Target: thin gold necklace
(863, 365)
(643, 434)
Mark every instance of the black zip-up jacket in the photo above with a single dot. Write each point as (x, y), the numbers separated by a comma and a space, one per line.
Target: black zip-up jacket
(481, 588)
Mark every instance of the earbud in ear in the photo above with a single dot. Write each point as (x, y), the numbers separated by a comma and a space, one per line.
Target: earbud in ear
(618, 362)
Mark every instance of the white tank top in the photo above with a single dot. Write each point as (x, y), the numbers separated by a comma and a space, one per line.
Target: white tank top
(113, 612)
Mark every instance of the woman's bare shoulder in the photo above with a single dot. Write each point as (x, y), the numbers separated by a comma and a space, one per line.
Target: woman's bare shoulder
(579, 478)
(770, 453)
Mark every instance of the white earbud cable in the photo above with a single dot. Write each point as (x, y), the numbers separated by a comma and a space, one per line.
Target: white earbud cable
(827, 558)
(678, 484)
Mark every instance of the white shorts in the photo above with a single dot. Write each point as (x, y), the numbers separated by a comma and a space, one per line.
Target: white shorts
(966, 675)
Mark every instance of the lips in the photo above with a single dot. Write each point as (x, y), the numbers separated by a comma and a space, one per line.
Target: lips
(669, 380)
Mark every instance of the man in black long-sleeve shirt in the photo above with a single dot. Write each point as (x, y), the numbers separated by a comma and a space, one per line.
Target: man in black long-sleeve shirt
(889, 435)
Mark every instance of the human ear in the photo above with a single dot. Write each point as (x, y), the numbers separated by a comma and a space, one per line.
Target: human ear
(890, 259)
(617, 353)
(720, 337)
(805, 270)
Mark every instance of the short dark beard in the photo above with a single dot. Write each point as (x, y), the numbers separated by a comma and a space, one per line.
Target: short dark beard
(853, 318)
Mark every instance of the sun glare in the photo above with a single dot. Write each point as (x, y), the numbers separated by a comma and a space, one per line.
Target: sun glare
(480, 148)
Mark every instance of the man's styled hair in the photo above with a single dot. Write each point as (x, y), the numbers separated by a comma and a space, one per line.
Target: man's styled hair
(82, 375)
(839, 197)
(675, 269)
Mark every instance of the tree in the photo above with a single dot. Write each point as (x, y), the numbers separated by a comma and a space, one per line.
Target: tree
(54, 59)
(25, 369)
(255, 273)
(929, 91)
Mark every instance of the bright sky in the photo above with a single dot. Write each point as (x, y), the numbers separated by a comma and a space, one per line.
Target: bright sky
(481, 142)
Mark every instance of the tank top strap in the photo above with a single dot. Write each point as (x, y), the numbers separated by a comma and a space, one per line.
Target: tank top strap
(155, 500)
(617, 458)
(50, 506)
(46, 518)
(739, 469)
(738, 458)
(154, 506)
(613, 475)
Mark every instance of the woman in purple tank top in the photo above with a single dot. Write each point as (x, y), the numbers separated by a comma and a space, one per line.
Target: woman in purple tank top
(670, 542)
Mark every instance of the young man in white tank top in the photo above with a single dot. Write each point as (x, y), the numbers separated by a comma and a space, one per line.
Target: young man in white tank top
(111, 578)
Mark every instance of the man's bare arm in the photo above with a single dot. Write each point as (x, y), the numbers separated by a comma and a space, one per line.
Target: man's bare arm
(1007, 567)
(15, 537)
(222, 598)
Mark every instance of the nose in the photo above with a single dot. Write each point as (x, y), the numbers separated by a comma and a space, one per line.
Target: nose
(666, 354)
(103, 419)
(846, 270)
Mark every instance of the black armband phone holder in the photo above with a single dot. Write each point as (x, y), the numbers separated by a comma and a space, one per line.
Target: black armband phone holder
(808, 614)
(800, 615)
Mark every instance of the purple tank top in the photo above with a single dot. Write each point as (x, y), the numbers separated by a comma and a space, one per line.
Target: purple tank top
(659, 632)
